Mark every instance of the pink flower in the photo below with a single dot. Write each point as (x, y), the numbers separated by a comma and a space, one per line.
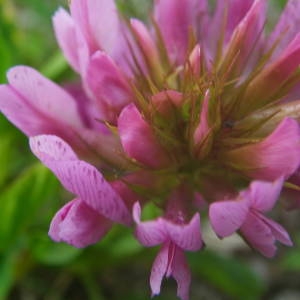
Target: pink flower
(181, 111)
(246, 214)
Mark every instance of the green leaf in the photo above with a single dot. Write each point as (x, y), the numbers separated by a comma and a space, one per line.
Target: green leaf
(227, 274)
(21, 200)
(51, 253)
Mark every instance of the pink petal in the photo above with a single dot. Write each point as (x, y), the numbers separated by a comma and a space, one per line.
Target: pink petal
(185, 236)
(44, 96)
(51, 148)
(171, 257)
(145, 42)
(287, 27)
(278, 231)
(228, 216)
(108, 85)
(138, 139)
(64, 28)
(267, 160)
(236, 11)
(246, 39)
(148, 233)
(21, 114)
(78, 225)
(159, 269)
(272, 78)
(265, 194)
(181, 274)
(81, 178)
(175, 19)
(259, 235)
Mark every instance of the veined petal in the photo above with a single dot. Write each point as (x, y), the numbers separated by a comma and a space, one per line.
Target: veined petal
(171, 261)
(148, 233)
(65, 33)
(44, 95)
(108, 85)
(21, 114)
(185, 236)
(278, 231)
(181, 274)
(51, 148)
(268, 159)
(259, 235)
(81, 179)
(138, 139)
(265, 194)
(78, 225)
(228, 216)
(159, 269)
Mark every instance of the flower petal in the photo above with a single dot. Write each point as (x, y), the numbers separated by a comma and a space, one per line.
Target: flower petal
(78, 225)
(81, 179)
(287, 27)
(278, 231)
(44, 95)
(259, 235)
(182, 274)
(108, 85)
(268, 159)
(159, 269)
(185, 236)
(64, 28)
(138, 139)
(265, 194)
(175, 18)
(149, 233)
(228, 216)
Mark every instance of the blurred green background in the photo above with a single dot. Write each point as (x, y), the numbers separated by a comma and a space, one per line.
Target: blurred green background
(33, 267)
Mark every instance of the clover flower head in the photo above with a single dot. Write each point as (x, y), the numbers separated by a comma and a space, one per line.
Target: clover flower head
(196, 108)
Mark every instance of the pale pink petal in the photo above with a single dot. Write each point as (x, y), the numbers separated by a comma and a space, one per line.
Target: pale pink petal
(228, 216)
(175, 19)
(21, 114)
(159, 269)
(230, 13)
(287, 27)
(44, 95)
(278, 231)
(138, 139)
(64, 29)
(265, 194)
(148, 233)
(185, 236)
(181, 273)
(81, 178)
(51, 147)
(195, 60)
(259, 235)
(78, 225)
(145, 42)
(81, 16)
(108, 85)
(246, 39)
(268, 159)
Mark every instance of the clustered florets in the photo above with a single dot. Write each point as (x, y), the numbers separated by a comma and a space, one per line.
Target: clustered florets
(194, 110)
